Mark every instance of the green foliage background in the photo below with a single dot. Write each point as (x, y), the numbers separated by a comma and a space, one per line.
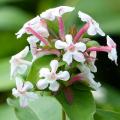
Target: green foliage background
(14, 13)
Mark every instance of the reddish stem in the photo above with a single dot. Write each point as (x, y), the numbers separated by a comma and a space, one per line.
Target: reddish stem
(101, 48)
(61, 28)
(68, 94)
(81, 32)
(38, 35)
(75, 79)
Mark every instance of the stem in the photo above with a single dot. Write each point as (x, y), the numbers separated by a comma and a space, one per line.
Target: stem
(38, 35)
(61, 28)
(75, 79)
(63, 115)
(102, 48)
(81, 32)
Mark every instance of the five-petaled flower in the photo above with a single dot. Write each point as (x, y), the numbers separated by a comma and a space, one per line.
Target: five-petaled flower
(51, 77)
(72, 51)
(23, 91)
(18, 64)
(93, 25)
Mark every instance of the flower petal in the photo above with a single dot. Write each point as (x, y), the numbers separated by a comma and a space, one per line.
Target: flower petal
(27, 86)
(91, 30)
(63, 9)
(48, 14)
(23, 101)
(92, 67)
(113, 55)
(54, 86)
(51, 14)
(67, 57)
(69, 39)
(93, 54)
(84, 17)
(60, 45)
(19, 83)
(80, 46)
(93, 84)
(79, 57)
(21, 69)
(110, 42)
(15, 92)
(44, 72)
(93, 25)
(32, 39)
(99, 30)
(54, 65)
(31, 96)
(63, 75)
(23, 53)
(42, 84)
(20, 33)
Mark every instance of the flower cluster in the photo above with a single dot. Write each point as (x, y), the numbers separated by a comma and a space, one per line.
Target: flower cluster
(75, 51)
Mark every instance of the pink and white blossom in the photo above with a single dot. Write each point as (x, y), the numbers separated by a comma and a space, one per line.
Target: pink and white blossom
(72, 51)
(23, 92)
(51, 14)
(18, 64)
(37, 24)
(93, 25)
(49, 78)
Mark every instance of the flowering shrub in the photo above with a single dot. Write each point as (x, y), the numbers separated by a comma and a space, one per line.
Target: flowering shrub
(62, 63)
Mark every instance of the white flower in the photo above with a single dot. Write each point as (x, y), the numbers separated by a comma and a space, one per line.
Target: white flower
(51, 14)
(37, 24)
(89, 77)
(72, 51)
(18, 64)
(51, 77)
(93, 25)
(33, 39)
(113, 53)
(22, 91)
(91, 64)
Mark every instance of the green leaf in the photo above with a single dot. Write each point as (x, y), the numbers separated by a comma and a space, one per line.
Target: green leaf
(7, 113)
(83, 106)
(22, 113)
(106, 115)
(111, 100)
(33, 75)
(10, 45)
(46, 107)
(108, 107)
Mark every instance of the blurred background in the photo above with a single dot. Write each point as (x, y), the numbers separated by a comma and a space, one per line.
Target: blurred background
(14, 13)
